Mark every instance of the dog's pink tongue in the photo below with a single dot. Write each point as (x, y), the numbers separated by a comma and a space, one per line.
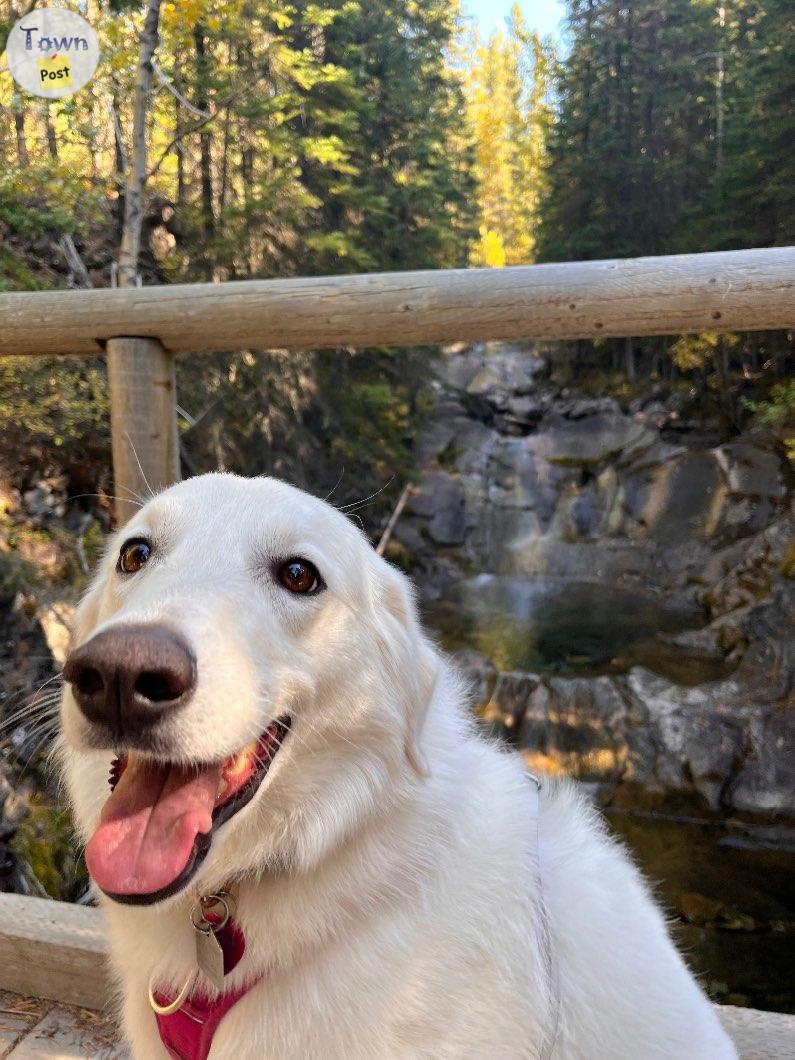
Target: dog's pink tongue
(149, 825)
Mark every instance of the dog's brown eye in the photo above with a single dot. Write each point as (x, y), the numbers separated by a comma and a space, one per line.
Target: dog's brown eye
(133, 555)
(299, 576)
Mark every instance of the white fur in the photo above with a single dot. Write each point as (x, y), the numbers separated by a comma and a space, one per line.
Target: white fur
(386, 870)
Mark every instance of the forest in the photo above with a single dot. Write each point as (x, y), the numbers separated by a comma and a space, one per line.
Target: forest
(303, 138)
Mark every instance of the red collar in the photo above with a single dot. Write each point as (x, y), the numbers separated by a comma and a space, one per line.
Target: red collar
(188, 1033)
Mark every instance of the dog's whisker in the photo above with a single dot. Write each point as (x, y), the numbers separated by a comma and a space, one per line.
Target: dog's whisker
(354, 505)
(336, 484)
(40, 743)
(50, 695)
(140, 468)
(7, 728)
(32, 713)
(36, 692)
(38, 725)
(337, 733)
(107, 496)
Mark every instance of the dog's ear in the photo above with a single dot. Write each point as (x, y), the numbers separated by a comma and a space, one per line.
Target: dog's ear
(411, 658)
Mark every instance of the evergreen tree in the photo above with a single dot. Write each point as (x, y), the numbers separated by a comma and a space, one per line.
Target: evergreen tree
(632, 151)
(756, 191)
(409, 199)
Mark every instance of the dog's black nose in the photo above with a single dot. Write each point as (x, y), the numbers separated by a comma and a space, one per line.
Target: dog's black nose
(127, 677)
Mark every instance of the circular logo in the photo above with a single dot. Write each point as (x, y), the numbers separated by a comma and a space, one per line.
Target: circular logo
(52, 52)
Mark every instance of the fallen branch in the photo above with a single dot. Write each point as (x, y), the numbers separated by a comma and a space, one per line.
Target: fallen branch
(393, 518)
(74, 261)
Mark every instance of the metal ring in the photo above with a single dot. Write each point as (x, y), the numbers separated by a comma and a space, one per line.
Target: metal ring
(204, 925)
(179, 1000)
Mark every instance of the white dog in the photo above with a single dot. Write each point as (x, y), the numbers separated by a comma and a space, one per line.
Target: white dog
(282, 731)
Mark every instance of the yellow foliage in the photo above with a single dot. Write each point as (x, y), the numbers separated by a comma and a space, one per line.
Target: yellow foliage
(506, 81)
(491, 249)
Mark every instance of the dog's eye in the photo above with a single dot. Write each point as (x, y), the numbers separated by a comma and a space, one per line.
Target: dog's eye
(299, 576)
(133, 555)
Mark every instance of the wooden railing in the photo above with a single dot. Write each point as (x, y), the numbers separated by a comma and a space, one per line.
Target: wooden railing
(140, 330)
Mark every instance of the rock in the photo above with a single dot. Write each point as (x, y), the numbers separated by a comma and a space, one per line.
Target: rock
(765, 781)
(609, 560)
(576, 722)
(579, 408)
(458, 370)
(751, 471)
(511, 704)
(591, 440)
(472, 446)
(504, 530)
(737, 922)
(526, 410)
(679, 500)
(529, 487)
(434, 439)
(46, 500)
(698, 909)
(480, 673)
(441, 499)
(506, 375)
(448, 527)
(585, 513)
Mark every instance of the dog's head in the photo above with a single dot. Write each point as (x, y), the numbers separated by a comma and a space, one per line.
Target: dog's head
(255, 679)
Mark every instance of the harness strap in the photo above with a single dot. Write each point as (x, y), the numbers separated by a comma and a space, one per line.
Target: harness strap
(188, 1033)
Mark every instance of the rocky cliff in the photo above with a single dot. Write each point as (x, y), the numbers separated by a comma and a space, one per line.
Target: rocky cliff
(617, 583)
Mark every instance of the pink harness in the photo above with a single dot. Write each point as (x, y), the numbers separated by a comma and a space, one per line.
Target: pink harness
(188, 1033)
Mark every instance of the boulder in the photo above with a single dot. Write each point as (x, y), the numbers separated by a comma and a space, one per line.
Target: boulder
(751, 471)
(441, 500)
(591, 440)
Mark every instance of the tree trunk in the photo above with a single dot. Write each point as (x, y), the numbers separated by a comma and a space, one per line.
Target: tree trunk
(119, 165)
(136, 176)
(179, 146)
(52, 143)
(22, 143)
(205, 145)
(629, 358)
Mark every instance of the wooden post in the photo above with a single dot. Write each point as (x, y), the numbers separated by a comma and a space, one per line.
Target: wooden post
(143, 421)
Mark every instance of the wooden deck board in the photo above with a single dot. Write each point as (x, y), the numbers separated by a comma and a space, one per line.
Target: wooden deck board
(18, 1015)
(32, 1029)
(68, 1034)
(759, 1035)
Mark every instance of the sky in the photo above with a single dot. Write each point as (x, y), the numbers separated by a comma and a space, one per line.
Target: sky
(543, 15)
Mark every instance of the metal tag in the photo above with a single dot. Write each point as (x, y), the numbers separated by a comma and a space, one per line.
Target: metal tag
(210, 956)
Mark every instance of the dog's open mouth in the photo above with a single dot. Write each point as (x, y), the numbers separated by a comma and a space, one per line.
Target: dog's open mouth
(157, 826)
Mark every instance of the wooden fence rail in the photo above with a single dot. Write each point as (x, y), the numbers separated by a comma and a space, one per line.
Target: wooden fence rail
(141, 329)
(727, 291)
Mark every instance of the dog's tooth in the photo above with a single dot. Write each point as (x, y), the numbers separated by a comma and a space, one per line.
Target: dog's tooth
(239, 763)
